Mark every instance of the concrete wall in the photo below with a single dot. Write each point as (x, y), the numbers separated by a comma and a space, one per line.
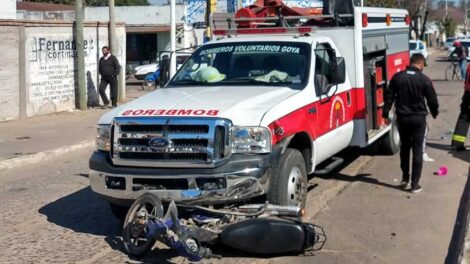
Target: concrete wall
(46, 15)
(9, 73)
(38, 73)
(136, 15)
(8, 9)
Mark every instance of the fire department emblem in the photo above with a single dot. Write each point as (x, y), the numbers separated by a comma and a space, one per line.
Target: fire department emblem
(337, 113)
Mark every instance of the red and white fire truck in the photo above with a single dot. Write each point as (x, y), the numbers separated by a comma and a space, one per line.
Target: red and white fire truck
(275, 93)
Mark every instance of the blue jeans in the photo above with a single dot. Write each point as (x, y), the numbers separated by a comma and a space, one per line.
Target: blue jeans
(463, 68)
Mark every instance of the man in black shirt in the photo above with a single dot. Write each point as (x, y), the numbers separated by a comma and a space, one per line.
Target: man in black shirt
(109, 70)
(410, 90)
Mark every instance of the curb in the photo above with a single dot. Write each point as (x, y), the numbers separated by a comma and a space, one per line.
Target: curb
(43, 156)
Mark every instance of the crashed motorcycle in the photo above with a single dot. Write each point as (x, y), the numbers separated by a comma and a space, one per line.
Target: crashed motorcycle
(192, 229)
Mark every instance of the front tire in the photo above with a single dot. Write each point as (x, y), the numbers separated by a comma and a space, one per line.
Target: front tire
(135, 239)
(289, 185)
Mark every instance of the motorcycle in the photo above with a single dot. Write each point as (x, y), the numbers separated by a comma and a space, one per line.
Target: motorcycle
(192, 229)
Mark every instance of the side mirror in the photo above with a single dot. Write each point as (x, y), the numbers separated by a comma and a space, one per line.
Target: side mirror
(340, 70)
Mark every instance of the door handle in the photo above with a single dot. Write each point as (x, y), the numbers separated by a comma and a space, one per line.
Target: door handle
(312, 110)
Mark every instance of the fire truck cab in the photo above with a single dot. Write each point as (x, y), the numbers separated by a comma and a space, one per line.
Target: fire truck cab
(276, 92)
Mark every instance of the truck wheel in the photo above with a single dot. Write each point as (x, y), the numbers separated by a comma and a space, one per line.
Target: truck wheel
(289, 185)
(119, 211)
(391, 141)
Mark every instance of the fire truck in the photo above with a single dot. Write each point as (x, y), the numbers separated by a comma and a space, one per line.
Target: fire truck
(275, 94)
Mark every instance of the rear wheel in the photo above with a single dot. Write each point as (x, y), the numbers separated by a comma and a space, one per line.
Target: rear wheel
(289, 185)
(391, 141)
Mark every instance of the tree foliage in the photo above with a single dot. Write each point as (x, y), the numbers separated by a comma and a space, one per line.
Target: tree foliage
(448, 25)
(381, 3)
(95, 2)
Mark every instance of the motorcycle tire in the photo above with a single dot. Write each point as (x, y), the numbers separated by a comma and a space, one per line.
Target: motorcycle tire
(134, 235)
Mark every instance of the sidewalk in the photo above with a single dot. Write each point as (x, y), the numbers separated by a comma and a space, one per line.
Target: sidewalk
(39, 138)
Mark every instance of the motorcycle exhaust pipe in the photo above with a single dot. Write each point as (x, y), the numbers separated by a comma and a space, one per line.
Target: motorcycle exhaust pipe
(275, 210)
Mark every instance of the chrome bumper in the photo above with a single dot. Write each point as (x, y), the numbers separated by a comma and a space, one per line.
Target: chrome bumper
(240, 185)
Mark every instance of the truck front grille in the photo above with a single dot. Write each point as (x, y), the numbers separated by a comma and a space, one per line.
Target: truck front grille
(170, 142)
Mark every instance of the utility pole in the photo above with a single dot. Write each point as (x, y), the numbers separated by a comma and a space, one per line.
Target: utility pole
(466, 17)
(172, 37)
(82, 100)
(446, 8)
(114, 48)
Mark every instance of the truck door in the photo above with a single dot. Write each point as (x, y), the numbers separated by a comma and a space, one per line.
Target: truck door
(374, 85)
(334, 127)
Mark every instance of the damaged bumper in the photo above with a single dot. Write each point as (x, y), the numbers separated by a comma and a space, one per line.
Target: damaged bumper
(241, 178)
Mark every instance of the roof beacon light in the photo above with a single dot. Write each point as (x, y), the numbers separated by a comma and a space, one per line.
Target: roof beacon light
(407, 20)
(365, 20)
(388, 20)
(252, 31)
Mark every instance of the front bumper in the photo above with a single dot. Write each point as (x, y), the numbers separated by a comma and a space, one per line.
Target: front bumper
(243, 177)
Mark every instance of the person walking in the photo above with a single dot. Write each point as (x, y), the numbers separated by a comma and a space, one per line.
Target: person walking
(109, 70)
(410, 90)
(463, 121)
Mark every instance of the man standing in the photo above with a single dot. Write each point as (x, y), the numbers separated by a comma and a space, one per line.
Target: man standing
(461, 128)
(410, 90)
(109, 70)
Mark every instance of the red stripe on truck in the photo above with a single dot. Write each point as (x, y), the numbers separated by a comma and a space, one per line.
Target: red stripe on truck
(318, 118)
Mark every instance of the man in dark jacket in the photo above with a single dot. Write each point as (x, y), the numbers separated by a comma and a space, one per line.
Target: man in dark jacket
(109, 70)
(410, 90)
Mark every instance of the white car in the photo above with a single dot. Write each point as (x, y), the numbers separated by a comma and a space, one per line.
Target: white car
(141, 71)
(449, 42)
(418, 47)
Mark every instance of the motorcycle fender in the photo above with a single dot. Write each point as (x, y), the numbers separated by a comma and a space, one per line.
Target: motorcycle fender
(264, 236)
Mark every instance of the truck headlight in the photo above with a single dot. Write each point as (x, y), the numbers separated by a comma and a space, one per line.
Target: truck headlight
(251, 140)
(103, 138)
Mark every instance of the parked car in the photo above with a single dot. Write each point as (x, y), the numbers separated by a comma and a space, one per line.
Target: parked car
(141, 71)
(449, 43)
(465, 43)
(418, 47)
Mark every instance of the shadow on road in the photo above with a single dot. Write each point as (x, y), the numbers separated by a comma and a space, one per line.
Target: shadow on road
(462, 155)
(365, 178)
(84, 212)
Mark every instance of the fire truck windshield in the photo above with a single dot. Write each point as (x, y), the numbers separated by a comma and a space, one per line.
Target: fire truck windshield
(247, 63)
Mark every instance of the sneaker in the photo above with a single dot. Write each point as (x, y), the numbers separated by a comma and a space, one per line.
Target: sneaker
(404, 184)
(105, 106)
(427, 158)
(416, 189)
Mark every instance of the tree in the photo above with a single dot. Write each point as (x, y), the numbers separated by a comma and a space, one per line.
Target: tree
(448, 25)
(381, 3)
(95, 2)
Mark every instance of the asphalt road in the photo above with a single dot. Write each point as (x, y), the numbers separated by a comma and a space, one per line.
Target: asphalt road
(50, 215)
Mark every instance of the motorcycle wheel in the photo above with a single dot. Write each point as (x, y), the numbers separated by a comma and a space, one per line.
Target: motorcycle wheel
(144, 208)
